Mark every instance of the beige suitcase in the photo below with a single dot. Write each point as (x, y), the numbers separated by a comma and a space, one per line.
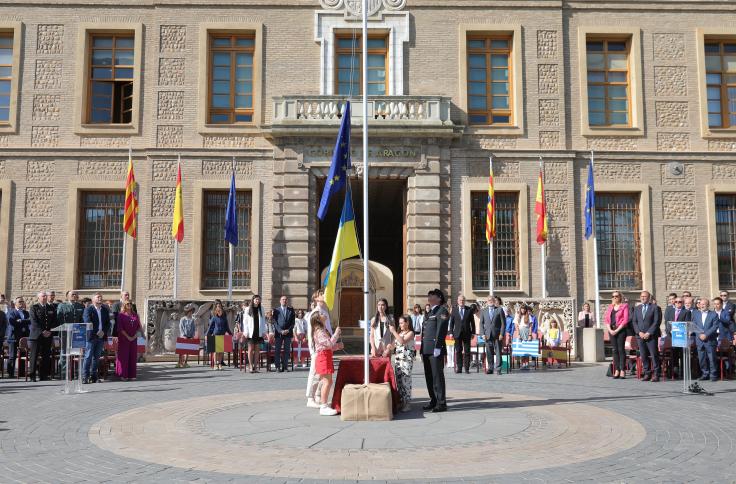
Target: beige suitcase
(366, 402)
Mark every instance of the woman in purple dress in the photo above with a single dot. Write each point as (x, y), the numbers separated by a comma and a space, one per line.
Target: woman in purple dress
(128, 325)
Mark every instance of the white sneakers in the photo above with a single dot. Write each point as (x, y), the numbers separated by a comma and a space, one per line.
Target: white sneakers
(312, 404)
(327, 411)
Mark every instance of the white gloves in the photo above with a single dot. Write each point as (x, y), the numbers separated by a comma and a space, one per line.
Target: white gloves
(437, 352)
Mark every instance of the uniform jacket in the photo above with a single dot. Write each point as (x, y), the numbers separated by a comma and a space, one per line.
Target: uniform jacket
(43, 318)
(434, 330)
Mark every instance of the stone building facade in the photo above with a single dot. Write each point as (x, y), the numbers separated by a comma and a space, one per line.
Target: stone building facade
(426, 156)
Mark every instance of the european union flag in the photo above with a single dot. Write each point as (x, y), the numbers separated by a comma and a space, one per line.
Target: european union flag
(340, 164)
(589, 203)
(231, 218)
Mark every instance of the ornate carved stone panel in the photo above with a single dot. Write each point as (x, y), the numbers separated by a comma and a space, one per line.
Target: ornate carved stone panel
(721, 145)
(171, 72)
(50, 39)
(549, 113)
(40, 170)
(48, 74)
(162, 201)
(558, 279)
(173, 38)
(685, 178)
(673, 141)
(46, 107)
(678, 205)
(557, 205)
(546, 44)
(164, 170)
(228, 141)
(170, 136)
(681, 275)
(558, 243)
(171, 105)
(39, 201)
(224, 167)
(161, 274)
(161, 241)
(669, 46)
(45, 136)
(37, 237)
(549, 140)
(36, 274)
(102, 169)
(724, 170)
(672, 114)
(670, 81)
(497, 143)
(680, 241)
(629, 171)
(612, 143)
(556, 173)
(549, 79)
(104, 141)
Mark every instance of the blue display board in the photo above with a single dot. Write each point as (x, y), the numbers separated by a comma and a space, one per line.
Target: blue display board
(679, 334)
(79, 336)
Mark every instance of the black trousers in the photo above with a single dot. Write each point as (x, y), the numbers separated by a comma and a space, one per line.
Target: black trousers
(434, 374)
(462, 353)
(12, 346)
(618, 343)
(646, 349)
(493, 352)
(282, 351)
(42, 347)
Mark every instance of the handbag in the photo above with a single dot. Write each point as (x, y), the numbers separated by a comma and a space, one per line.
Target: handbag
(609, 372)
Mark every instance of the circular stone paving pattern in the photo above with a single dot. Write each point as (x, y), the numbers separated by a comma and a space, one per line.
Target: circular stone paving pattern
(274, 434)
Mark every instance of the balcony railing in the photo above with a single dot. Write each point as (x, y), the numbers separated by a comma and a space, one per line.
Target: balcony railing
(383, 111)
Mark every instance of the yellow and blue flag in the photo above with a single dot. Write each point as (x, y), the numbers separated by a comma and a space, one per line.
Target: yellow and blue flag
(589, 203)
(338, 175)
(346, 246)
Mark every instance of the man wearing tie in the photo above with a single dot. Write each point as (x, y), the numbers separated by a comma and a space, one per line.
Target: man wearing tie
(706, 324)
(18, 327)
(98, 316)
(493, 322)
(284, 319)
(646, 321)
(462, 327)
(434, 350)
(729, 327)
(43, 320)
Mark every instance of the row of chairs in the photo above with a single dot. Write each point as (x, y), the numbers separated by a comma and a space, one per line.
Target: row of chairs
(267, 355)
(670, 359)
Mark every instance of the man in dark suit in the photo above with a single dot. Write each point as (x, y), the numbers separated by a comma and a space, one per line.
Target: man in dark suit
(284, 319)
(729, 319)
(646, 319)
(40, 340)
(706, 325)
(434, 350)
(462, 327)
(493, 322)
(98, 315)
(677, 312)
(19, 324)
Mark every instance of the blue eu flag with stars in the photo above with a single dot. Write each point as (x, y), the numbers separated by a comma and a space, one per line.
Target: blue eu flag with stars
(340, 164)
(589, 203)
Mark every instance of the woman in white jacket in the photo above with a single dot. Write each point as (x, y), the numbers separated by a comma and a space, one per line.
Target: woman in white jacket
(254, 330)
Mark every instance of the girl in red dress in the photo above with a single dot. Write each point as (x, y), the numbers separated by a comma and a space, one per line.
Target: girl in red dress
(324, 346)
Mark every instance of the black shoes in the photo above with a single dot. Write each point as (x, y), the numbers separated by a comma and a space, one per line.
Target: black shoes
(439, 408)
(429, 406)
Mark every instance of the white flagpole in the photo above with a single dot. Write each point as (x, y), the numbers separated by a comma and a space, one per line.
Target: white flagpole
(543, 247)
(176, 242)
(366, 288)
(595, 256)
(125, 234)
(490, 248)
(231, 252)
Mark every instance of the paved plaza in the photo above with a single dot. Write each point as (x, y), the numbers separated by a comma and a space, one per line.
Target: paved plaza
(197, 425)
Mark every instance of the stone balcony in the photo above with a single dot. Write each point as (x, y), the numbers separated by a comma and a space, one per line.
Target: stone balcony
(387, 115)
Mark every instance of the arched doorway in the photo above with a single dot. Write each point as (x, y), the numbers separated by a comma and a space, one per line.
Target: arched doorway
(348, 309)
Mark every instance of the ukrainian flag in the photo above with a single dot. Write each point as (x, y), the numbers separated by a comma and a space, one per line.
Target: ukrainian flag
(346, 246)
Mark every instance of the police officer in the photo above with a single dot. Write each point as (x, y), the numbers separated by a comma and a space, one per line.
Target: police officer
(434, 350)
(43, 320)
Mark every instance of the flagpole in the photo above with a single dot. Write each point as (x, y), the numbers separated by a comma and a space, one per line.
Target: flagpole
(490, 248)
(176, 243)
(544, 245)
(366, 294)
(595, 258)
(125, 234)
(231, 253)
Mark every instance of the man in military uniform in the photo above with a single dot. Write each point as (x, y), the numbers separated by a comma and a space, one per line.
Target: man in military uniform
(43, 320)
(68, 312)
(434, 350)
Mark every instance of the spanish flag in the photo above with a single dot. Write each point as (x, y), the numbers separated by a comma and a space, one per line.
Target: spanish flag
(346, 246)
(130, 217)
(177, 225)
(220, 344)
(491, 209)
(540, 208)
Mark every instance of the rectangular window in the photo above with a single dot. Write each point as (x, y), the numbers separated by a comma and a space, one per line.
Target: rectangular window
(101, 239)
(348, 65)
(489, 80)
(619, 243)
(215, 249)
(231, 78)
(608, 82)
(505, 245)
(111, 62)
(720, 76)
(726, 240)
(6, 75)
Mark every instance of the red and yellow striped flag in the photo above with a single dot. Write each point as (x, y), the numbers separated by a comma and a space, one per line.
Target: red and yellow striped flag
(540, 208)
(491, 209)
(130, 217)
(177, 225)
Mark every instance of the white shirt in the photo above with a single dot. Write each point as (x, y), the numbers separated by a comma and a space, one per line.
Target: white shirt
(704, 315)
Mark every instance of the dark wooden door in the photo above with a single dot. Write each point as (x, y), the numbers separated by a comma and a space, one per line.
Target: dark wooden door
(351, 307)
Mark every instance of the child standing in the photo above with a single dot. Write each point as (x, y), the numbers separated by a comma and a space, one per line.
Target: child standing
(323, 347)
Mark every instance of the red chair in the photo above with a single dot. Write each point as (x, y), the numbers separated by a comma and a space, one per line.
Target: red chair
(304, 345)
(3, 356)
(631, 347)
(666, 358)
(725, 354)
(107, 357)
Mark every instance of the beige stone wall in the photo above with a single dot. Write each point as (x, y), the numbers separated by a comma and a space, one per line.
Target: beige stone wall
(46, 156)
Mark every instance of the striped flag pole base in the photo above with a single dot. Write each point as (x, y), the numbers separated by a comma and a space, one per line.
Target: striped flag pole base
(220, 344)
(187, 346)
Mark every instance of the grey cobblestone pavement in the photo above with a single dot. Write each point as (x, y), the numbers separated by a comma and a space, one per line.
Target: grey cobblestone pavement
(45, 435)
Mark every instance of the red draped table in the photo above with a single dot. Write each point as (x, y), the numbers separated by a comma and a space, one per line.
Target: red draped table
(351, 372)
